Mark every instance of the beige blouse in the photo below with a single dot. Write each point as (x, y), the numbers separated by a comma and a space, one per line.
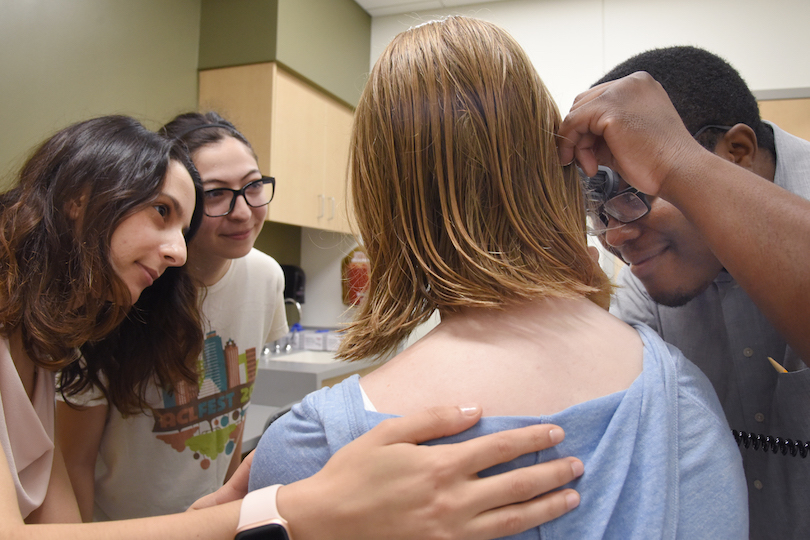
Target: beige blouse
(26, 431)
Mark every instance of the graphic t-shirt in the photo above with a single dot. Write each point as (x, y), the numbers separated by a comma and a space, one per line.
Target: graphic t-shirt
(161, 462)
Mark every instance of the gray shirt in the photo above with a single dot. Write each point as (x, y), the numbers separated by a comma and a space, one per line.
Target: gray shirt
(727, 336)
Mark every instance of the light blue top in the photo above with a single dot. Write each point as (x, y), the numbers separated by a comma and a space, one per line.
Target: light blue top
(660, 461)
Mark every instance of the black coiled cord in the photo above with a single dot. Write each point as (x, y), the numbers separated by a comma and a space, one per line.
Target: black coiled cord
(774, 444)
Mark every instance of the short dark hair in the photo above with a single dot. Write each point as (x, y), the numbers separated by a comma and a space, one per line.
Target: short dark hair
(59, 288)
(195, 130)
(704, 88)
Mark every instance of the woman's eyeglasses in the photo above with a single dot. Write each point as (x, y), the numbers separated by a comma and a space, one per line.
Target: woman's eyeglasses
(220, 202)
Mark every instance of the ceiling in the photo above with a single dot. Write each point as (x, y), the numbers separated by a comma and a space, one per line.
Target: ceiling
(378, 8)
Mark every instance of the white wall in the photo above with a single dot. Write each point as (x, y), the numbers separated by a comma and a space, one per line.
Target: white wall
(572, 43)
(321, 255)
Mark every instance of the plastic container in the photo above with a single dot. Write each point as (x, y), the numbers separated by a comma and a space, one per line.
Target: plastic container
(314, 340)
(333, 340)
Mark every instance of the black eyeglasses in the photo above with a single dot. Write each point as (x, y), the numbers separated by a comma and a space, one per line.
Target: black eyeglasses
(219, 202)
(699, 132)
(605, 201)
(709, 143)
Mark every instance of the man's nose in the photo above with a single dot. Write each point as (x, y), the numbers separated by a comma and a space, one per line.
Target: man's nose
(618, 233)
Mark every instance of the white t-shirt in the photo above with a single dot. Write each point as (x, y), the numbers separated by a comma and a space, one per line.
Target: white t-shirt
(153, 465)
(26, 431)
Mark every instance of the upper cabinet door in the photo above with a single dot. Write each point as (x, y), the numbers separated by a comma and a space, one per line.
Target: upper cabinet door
(338, 211)
(297, 152)
(300, 136)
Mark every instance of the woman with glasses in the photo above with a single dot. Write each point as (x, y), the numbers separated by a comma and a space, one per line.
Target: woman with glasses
(190, 442)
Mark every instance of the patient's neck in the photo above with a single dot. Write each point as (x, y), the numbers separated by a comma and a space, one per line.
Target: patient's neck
(528, 358)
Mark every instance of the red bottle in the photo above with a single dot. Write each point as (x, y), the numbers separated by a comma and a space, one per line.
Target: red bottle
(355, 271)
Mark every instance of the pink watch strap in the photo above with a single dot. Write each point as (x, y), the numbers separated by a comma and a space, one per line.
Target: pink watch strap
(260, 507)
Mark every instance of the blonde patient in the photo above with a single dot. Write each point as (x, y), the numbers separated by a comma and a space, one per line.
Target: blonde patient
(463, 207)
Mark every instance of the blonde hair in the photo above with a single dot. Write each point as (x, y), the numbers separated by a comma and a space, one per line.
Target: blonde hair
(460, 198)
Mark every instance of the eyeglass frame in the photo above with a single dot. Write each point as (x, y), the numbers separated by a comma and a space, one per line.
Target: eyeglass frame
(631, 190)
(699, 132)
(596, 192)
(265, 180)
(611, 178)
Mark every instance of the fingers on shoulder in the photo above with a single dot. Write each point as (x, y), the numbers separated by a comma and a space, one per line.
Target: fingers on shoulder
(516, 518)
(524, 484)
(426, 425)
(484, 452)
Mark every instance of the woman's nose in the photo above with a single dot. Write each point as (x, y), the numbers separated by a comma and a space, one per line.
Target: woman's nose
(241, 210)
(174, 251)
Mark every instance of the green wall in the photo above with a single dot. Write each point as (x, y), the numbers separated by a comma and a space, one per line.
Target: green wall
(237, 32)
(328, 42)
(63, 61)
(325, 41)
(280, 241)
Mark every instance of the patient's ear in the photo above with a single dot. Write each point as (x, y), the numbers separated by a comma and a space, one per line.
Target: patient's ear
(594, 253)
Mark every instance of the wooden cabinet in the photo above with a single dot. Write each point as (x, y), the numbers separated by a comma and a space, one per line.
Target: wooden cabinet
(792, 115)
(299, 133)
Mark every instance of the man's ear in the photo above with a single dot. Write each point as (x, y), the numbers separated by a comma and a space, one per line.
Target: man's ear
(739, 145)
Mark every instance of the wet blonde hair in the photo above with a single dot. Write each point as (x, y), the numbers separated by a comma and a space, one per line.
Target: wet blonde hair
(460, 198)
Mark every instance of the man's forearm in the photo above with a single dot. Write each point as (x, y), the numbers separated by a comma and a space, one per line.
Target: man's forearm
(759, 232)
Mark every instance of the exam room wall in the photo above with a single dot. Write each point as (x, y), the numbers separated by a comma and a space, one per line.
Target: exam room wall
(65, 61)
(572, 43)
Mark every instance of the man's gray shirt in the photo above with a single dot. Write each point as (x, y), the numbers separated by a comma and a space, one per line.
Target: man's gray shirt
(727, 336)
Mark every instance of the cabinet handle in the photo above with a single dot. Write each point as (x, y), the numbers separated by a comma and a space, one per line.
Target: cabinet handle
(332, 204)
(320, 206)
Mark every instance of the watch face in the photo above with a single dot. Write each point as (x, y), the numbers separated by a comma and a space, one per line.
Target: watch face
(271, 531)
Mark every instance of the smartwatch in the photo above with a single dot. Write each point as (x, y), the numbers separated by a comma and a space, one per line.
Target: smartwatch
(259, 518)
(268, 531)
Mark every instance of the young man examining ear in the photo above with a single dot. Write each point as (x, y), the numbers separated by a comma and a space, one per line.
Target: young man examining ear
(720, 264)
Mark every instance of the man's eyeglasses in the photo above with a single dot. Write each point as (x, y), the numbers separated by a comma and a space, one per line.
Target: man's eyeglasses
(705, 128)
(605, 201)
(709, 142)
(219, 202)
